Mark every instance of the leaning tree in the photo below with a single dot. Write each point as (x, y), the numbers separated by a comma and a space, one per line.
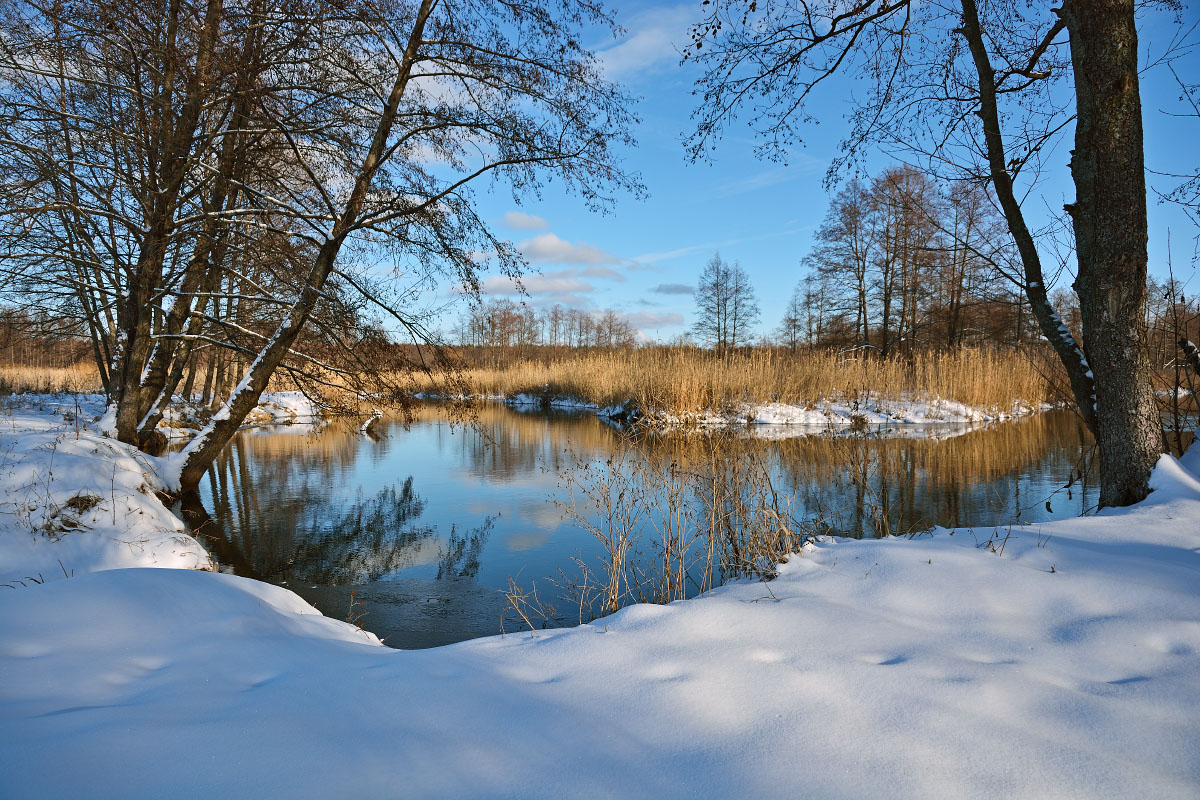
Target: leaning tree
(979, 92)
(200, 176)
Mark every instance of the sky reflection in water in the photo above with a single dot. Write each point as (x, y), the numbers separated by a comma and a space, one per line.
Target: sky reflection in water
(427, 524)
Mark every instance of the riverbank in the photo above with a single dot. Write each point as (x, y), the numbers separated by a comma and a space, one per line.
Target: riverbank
(863, 412)
(686, 386)
(74, 501)
(1059, 659)
(774, 387)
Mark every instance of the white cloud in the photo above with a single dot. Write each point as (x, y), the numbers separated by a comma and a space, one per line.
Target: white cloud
(654, 40)
(649, 322)
(519, 220)
(538, 286)
(549, 248)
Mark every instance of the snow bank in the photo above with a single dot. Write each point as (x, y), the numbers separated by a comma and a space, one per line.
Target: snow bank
(1055, 660)
(184, 420)
(73, 501)
(284, 408)
(879, 416)
(523, 400)
(874, 412)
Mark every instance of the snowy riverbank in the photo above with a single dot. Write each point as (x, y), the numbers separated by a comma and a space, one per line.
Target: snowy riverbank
(1061, 660)
(184, 420)
(74, 501)
(780, 420)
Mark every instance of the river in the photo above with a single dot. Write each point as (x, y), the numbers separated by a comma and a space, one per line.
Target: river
(427, 524)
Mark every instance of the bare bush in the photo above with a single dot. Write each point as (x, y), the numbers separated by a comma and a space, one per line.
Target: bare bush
(671, 528)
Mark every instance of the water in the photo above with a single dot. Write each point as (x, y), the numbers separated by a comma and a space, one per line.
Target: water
(426, 525)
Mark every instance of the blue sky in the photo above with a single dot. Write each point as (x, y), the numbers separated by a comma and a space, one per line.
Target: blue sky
(643, 258)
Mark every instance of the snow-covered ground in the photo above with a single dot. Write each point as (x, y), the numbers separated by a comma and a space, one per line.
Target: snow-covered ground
(73, 501)
(872, 412)
(184, 421)
(880, 416)
(1060, 660)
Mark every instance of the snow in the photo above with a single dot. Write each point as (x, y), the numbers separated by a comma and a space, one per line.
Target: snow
(523, 400)
(74, 501)
(1060, 660)
(375, 416)
(284, 408)
(871, 412)
(182, 420)
(881, 416)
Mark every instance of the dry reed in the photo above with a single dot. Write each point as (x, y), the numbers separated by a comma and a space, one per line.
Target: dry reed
(688, 381)
(82, 377)
(668, 531)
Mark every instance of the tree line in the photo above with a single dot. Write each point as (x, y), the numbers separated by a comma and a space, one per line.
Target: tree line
(506, 324)
(903, 261)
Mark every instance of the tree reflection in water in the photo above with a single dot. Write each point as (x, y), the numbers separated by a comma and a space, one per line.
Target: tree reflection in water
(375, 537)
(332, 510)
(460, 555)
(372, 539)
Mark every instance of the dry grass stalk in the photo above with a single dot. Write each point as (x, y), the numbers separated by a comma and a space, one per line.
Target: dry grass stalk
(78, 378)
(689, 381)
(668, 531)
(527, 606)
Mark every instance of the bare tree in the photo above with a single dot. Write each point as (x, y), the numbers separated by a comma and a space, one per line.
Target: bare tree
(972, 94)
(902, 205)
(904, 261)
(844, 254)
(967, 283)
(791, 332)
(726, 309)
(221, 173)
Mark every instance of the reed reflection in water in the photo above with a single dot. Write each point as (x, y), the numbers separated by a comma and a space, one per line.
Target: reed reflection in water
(427, 524)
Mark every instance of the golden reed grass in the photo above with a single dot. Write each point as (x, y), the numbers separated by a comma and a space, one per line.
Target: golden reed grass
(82, 377)
(688, 381)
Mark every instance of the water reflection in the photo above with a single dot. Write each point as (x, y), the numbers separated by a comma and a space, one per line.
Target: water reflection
(426, 524)
(460, 557)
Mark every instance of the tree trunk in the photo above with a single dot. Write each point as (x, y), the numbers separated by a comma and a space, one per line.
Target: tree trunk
(1109, 218)
(1078, 372)
(200, 453)
(174, 135)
